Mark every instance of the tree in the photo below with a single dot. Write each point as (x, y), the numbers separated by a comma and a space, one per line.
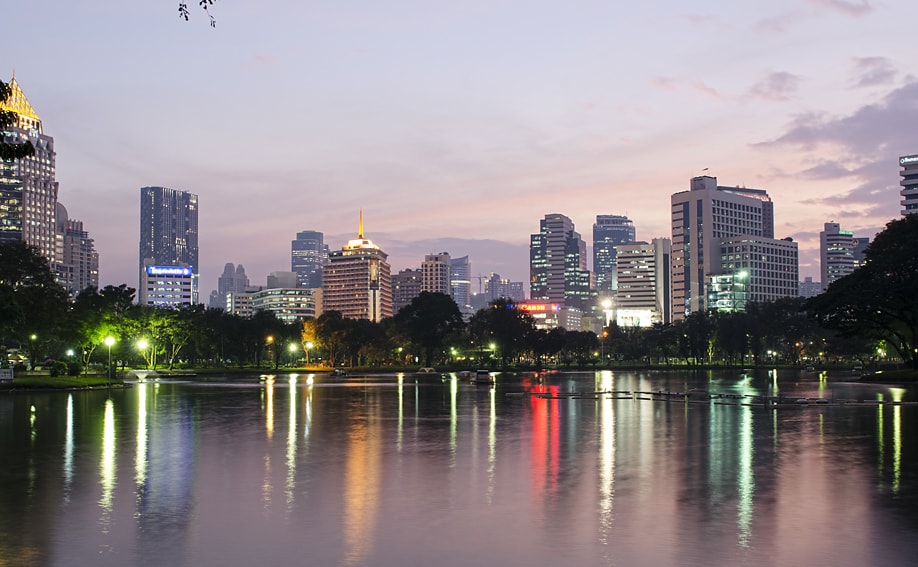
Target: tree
(32, 303)
(11, 150)
(204, 4)
(505, 326)
(427, 321)
(877, 300)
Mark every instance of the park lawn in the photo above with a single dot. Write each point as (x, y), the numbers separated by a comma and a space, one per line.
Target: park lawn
(57, 382)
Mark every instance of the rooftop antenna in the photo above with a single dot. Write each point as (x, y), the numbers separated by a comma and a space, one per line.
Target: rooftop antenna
(360, 230)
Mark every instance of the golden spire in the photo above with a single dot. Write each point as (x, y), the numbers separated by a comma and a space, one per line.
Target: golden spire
(360, 231)
(18, 103)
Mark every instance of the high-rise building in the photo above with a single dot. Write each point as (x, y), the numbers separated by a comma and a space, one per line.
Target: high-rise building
(233, 280)
(702, 217)
(406, 285)
(78, 267)
(644, 294)
(436, 273)
(557, 264)
(836, 253)
(308, 253)
(356, 281)
(461, 283)
(608, 232)
(166, 286)
(757, 269)
(909, 183)
(28, 188)
(840, 252)
(288, 304)
(169, 230)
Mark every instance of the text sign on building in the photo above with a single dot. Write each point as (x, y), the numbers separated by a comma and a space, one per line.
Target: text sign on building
(905, 160)
(168, 271)
(538, 307)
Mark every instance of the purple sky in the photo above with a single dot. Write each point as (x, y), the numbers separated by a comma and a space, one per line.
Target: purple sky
(456, 127)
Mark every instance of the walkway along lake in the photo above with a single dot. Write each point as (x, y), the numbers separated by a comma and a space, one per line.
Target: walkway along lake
(416, 470)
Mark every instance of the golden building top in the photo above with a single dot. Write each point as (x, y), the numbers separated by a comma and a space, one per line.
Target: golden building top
(19, 103)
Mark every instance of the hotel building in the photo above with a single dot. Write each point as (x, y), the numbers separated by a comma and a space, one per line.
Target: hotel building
(356, 280)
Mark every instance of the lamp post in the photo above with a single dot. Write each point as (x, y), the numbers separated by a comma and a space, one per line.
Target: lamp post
(109, 341)
(292, 348)
(309, 346)
(270, 348)
(32, 339)
(142, 345)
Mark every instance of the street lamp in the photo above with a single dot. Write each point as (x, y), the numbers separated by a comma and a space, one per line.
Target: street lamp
(142, 345)
(109, 341)
(309, 346)
(292, 349)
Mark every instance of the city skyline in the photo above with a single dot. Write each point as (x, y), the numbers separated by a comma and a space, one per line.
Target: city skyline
(288, 124)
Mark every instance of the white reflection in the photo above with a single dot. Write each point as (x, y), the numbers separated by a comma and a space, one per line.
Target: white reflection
(140, 459)
(269, 405)
(606, 455)
(107, 462)
(453, 416)
(492, 442)
(881, 441)
(746, 478)
(291, 443)
(68, 445)
(897, 437)
(401, 407)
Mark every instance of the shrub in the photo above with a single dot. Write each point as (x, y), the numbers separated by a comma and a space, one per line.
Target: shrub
(74, 368)
(59, 368)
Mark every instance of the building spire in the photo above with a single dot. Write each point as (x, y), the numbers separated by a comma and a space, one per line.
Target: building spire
(360, 230)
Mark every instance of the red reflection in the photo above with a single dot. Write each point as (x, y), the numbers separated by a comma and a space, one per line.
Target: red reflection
(546, 436)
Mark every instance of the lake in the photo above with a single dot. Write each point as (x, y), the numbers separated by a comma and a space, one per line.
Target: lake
(386, 470)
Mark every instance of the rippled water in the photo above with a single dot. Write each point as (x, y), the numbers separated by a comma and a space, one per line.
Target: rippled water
(415, 470)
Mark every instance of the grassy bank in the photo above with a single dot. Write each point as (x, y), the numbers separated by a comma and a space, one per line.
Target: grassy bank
(58, 383)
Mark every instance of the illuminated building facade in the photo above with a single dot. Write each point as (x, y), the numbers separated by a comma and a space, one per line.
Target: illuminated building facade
(356, 281)
(644, 294)
(308, 253)
(766, 268)
(460, 282)
(609, 231)
(289, 304)
(169, 230)
(436, 272)
(701, 218)
(166, 286)
(557, 264)
(550, 315)
(28, 188)
(909, 183)
(840, 252)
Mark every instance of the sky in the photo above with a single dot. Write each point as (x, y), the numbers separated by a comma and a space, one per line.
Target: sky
(457, 126)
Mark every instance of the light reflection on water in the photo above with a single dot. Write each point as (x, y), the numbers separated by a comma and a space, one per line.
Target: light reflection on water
(298, 469)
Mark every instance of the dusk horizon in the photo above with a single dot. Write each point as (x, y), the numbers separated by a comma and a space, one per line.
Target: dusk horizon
(457, 128)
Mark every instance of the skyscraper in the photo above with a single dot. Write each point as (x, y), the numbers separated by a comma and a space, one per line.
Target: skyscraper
(836, 253)
(169, 230)
(436, 273)
(308, 253)
(28, 188)
(644, 293)
(78, 267)
(356, 281)
(701, 218)
(461, 283)
(909, 183)
(608, 232)
(406, 285)
(557, 264)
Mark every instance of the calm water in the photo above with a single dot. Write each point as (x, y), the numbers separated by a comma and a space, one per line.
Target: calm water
(388, 471)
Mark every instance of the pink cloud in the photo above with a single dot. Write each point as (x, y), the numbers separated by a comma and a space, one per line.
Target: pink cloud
(779, 86)
(855, 9)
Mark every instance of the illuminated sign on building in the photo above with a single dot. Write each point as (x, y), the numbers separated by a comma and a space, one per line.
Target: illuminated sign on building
(169, 271)
(538, 307)
(908, 159)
